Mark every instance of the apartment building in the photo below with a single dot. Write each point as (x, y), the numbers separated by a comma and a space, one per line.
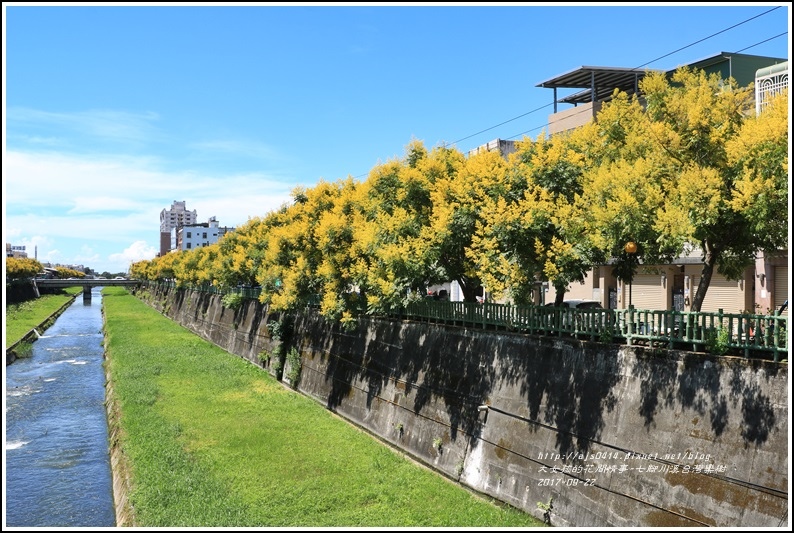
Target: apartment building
(171, 219)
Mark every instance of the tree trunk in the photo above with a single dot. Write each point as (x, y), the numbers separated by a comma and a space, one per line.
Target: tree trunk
(709, 262)
(469, 289)
(559, 295)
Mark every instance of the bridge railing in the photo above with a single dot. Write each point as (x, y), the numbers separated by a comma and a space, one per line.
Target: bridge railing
(750, 335)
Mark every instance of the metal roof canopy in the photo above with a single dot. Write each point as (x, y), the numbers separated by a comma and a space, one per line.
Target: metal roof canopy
(774, 69)
(599, 82)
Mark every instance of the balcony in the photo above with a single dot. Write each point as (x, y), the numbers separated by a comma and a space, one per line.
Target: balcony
(769, 81)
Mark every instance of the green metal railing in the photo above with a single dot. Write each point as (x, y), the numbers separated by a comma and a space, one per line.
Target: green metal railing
(697, 331)
(750, 335)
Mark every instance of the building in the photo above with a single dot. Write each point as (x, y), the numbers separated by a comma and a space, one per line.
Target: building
(596, 84)
(504, 147)
(192, 236)
(15, 251)
(771, 271)
(176, 217)
(764, 286)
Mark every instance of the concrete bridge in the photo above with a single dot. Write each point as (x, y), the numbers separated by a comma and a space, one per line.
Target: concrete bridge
(86, 284)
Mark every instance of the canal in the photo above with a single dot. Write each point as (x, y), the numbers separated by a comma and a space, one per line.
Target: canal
(57, 462)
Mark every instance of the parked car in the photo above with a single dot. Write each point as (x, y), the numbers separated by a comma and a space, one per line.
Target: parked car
(580, 304)
(575, 304)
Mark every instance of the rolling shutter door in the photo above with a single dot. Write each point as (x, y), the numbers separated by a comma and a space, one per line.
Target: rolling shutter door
(722, 294)
(781, 287)
(647, 292)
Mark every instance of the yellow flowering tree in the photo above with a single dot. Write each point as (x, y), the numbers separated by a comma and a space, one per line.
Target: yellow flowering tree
(22, 268)
(530, 231)
(462, 192)
(694, 118)
(341, 289)
(759, 157)
(241, 254)
(394, 206)
(140, 269)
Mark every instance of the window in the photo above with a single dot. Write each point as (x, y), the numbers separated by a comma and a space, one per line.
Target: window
(188, 246)
(188, 234)
(204, 235)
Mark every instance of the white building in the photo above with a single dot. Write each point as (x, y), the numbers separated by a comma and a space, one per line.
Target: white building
(192, 236)
(172, 219)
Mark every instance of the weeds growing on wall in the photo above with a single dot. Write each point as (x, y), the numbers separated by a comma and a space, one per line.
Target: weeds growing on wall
(294, 374)
(279, 331)
(437, 444)
(23, 349)
(459, 468)
(718, 341)
(546, 508)
(607, 335)
(232, 301)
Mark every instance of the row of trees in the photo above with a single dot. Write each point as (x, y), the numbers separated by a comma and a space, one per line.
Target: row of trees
(23, 268)
(690, 167)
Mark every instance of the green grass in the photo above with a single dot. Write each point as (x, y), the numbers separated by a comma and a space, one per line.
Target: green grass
(22, 317)
(214, 441)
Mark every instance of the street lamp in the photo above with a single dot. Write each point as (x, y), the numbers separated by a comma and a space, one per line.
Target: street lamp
(631, 249)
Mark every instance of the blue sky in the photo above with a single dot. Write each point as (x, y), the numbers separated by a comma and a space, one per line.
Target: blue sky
(111, 112)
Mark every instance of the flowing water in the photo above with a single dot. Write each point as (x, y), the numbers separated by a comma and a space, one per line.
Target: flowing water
(57, 462)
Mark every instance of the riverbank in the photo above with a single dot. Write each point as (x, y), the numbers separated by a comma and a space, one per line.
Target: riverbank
(119, 466)
(24, 320)
(208, 439)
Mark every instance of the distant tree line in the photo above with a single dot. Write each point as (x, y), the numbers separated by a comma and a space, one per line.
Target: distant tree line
(25, 268)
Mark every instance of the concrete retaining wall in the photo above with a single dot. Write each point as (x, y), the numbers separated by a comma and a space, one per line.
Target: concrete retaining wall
(608, 435)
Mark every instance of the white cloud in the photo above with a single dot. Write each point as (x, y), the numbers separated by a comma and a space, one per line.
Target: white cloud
(57, 183)
(43, 141)
(137, 251)
(96, 204)
(249, 149)
(105, 124)
(51, 179)
(82, 210)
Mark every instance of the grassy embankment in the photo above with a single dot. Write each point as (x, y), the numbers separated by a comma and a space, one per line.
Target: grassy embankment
(22, 317)
(214, 441)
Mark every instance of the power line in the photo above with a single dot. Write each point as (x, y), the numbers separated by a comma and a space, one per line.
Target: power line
(588, 110)
(643, 65)
(709, 37)
(761, 42)
(503, 123)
